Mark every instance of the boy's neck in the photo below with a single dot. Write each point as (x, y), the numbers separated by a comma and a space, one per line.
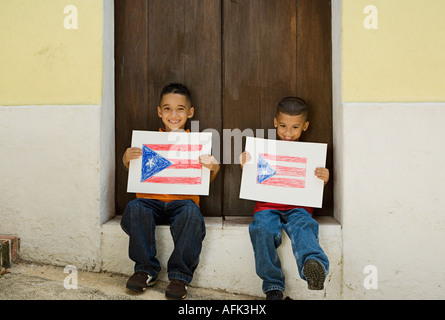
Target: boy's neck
(174, 130)
(278, 138)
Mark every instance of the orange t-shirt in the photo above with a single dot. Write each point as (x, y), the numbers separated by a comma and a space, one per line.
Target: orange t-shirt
(168, 197)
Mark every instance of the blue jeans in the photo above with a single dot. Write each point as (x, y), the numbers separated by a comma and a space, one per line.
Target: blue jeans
(265, 234)
(187, 228)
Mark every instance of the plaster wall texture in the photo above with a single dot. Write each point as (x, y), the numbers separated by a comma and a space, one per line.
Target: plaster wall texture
(49, 186)
(392, 214)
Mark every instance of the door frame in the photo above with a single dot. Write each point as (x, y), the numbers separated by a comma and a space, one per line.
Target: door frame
(108, 182)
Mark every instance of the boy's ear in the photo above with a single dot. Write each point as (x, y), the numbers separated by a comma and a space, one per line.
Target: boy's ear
(306, 125)
(275, 122)
(191, 112)
(159, 112)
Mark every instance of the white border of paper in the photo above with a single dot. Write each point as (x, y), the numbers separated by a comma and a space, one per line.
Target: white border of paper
(310, 196)
(140, 138)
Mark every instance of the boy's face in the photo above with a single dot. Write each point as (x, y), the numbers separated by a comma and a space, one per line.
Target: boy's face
(290, 128)
(174, 110)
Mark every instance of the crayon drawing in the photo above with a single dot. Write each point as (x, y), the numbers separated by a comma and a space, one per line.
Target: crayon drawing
(156, 168)
(170, 163)
(283, 172)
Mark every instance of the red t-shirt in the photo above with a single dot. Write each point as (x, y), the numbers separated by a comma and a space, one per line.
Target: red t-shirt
(260, 206)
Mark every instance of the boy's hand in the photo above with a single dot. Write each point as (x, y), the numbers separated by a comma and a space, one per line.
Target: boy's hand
(131, 154)
(243, 158)
(323, 174)
(210, 163)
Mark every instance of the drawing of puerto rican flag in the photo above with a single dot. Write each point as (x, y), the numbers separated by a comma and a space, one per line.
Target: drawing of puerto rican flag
(171, 164)
(281, 171)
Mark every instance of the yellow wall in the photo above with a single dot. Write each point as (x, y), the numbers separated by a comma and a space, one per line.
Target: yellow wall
(43, 63)
(403, 60)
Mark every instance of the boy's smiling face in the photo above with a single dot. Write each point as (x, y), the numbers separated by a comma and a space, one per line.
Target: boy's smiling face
(174, 110)
(290, 128)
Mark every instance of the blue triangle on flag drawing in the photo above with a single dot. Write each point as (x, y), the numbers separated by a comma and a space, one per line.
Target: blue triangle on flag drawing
(265, 171)
(152, 163)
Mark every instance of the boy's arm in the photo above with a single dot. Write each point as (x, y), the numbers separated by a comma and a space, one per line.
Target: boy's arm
(210, 163)
(131, 154)
(323, 174)
(243, 158)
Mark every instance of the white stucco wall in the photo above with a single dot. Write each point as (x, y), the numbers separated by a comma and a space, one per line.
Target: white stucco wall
(49, 186)
(57, 161)
(393, 213)
(388, 130)
(107, 118)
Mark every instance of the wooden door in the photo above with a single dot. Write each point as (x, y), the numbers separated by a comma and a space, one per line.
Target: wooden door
(239, 58)
(158, 42)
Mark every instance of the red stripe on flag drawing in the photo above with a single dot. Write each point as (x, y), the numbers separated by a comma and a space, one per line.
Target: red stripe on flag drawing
(185, 164)
(175, 147)
(284, 158)
(290, 172)
(284, 182)
(175, 180)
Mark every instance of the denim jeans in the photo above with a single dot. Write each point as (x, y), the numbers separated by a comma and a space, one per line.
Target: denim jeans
(187, 228)
(265, 234)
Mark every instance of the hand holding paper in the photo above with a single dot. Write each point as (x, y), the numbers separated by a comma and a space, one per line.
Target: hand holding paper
(131, 154)
(244, 158)
(210, 163)
(284, 172)
(322, 174)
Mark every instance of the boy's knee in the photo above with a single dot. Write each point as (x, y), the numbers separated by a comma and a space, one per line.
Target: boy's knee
(134, 211)
(191, 217)
(191, 212)
(126, 216)
(132, 205)
(260, 222)
(262, 230)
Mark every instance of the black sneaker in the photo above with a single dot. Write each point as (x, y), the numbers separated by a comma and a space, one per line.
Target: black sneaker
(139, 281)
(274, 295)
(176, 289)
(314, 273)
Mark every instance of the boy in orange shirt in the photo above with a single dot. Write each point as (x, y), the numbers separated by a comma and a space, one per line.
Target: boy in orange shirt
(181, 211)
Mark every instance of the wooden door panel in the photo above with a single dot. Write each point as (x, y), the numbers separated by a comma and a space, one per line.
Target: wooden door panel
(259, 70)
(163, 41)
(314, 85)
(131, 81)
(241, 101)
(239, 59)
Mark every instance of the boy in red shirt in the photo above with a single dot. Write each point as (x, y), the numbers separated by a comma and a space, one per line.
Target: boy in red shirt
(270, 218)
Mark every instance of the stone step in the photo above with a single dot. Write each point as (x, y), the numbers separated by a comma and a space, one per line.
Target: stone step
(227, 260)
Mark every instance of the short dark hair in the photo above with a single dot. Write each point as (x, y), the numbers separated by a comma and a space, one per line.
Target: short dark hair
(177, 88)
(293, 106)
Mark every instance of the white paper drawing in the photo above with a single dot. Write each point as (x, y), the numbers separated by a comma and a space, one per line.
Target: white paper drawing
(170, 163)
(283, 172)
